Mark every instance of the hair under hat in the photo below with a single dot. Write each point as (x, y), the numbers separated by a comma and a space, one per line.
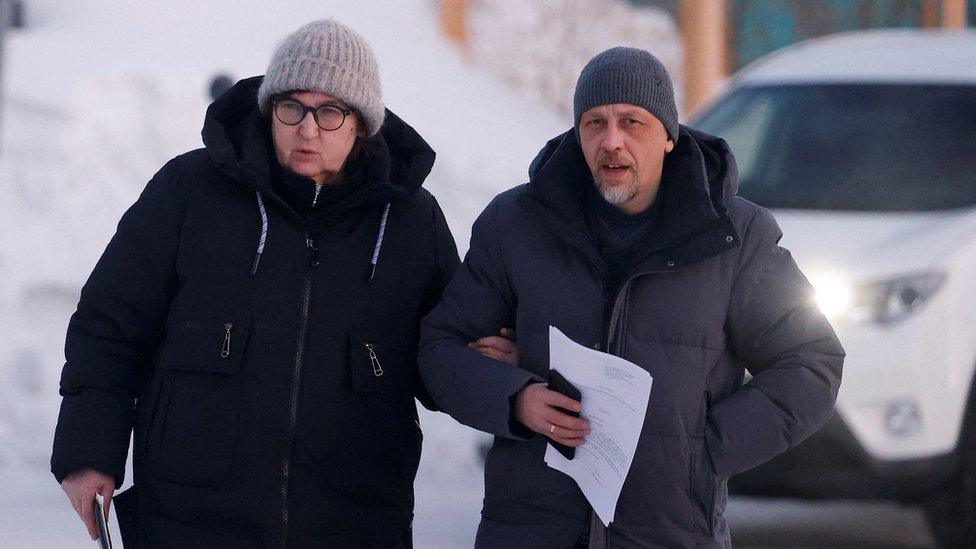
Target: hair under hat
(627, 75)
(329, 57)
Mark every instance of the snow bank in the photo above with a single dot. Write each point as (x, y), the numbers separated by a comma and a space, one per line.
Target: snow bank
(553, 41)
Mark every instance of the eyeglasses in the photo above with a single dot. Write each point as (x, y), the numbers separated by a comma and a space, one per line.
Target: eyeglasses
(328, 117)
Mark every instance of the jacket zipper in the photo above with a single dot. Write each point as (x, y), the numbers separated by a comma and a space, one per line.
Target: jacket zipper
(615, 314)
(313, 262)
(619, 304)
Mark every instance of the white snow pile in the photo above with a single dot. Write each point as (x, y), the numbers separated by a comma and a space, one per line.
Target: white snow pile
(554, 40)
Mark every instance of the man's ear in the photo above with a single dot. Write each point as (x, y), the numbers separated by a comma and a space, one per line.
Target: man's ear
(668, 146)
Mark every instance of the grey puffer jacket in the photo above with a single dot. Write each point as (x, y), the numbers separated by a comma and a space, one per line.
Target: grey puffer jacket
(710, 296)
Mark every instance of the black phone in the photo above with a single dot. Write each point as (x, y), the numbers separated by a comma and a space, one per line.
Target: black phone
(556, 382)
(104, 539)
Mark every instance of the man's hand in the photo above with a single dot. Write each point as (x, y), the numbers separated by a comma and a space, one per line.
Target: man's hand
(501, 347)
(537, 408)
(81, 487)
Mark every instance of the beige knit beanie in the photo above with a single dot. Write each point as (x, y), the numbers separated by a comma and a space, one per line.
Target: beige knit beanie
(328, 57)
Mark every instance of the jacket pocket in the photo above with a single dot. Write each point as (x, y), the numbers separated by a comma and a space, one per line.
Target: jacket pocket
(196, 425)
(702, 482)
(383, 363)
(381, 439)
(205, 345)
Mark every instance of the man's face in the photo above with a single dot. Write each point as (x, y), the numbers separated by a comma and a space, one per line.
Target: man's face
(624, 146)
(305, 148)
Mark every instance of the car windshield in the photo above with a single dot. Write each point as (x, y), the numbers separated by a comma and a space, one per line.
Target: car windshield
(861, 147)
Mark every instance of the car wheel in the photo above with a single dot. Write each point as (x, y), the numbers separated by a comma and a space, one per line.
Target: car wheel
(951, 512)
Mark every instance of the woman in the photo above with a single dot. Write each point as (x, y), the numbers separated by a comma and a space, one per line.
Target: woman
(255, 321)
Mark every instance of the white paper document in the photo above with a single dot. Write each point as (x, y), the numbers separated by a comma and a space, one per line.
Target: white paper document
(615, 394)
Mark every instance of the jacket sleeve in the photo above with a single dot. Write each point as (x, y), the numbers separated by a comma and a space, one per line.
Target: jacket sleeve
(780, 336)
(115, 332)
(445, 264)
(474, 389)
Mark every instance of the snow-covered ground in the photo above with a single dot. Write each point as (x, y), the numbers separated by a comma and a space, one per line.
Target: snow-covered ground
(98, 95)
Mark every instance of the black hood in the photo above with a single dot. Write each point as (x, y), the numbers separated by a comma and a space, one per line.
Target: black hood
(236, 136)
(698, 178)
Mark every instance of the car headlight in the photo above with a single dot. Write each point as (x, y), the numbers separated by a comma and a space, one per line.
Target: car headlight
(833, 296)
(884, 302)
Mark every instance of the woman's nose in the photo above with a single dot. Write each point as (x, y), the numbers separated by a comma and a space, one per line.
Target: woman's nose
(308, 128)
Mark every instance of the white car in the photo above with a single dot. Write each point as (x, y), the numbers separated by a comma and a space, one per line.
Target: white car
(864, 146)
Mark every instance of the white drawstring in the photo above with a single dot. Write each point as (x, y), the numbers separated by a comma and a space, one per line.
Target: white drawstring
(264, 237)
(379, 241)
(264, 233)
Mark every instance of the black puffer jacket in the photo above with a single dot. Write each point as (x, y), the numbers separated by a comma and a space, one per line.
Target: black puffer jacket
(272, 393)
(708, 295)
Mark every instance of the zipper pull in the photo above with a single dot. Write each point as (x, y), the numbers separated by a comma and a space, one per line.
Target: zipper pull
(318, 189)
(225, 348)
(313, 253)
(377, 369)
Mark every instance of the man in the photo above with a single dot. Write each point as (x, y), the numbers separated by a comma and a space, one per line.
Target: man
(630, 239)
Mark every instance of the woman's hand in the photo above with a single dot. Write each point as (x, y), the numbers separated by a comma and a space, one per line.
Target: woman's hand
(501, 347)
(81, 487)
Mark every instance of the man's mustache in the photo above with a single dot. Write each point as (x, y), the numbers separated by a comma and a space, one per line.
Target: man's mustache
(603, 159)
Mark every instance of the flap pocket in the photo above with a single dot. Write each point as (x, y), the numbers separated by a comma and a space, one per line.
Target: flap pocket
(212, 345)
(383, 363)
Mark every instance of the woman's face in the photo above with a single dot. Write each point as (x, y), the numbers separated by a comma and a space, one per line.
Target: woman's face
(308, 150)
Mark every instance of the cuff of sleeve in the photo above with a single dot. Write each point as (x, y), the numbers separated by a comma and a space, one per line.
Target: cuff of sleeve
(488, 398)
(61, 472)
(515, 426)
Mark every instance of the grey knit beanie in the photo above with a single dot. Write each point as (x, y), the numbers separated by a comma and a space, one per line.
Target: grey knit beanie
(329, 57)
(627, 75)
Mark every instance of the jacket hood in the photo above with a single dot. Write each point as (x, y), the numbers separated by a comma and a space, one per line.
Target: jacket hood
(237, 138)
(698, 178)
